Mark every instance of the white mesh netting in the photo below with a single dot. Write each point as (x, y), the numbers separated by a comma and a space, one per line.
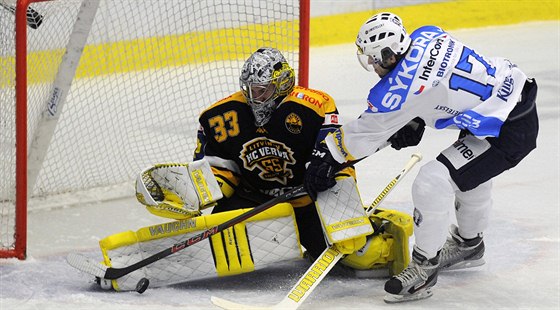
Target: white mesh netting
(148, 69)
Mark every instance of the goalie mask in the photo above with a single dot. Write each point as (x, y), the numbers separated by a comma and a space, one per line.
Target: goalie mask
(382, 36)
(266, 76)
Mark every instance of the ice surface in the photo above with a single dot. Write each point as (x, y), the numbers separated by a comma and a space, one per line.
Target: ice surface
(522, 243)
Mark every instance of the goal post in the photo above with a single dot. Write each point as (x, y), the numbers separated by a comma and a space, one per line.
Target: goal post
(94, 93)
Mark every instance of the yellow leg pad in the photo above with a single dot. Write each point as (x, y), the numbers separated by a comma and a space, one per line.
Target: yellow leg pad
(232, 254)
(375, 254)
(400, 227)
(182, 227)
(261, 241)
(388, 249)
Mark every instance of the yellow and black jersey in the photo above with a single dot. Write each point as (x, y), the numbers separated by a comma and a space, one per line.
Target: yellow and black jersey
(271, 158)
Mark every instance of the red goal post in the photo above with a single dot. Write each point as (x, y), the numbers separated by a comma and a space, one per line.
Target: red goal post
(93, 91)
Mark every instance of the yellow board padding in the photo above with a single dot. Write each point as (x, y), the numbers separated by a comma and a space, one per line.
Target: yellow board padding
(449, 15)
(192, 48)
(175, 228)
(157, 52)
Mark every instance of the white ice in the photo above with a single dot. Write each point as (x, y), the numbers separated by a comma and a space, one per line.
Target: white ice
(522, 242)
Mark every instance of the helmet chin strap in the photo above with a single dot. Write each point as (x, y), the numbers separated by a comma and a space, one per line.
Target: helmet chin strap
(390, 67)
(397, 60)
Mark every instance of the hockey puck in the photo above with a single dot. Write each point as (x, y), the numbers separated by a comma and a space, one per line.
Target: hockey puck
(142, 285)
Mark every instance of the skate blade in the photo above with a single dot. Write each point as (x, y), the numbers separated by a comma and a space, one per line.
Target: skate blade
(465, 265)
(422, 294)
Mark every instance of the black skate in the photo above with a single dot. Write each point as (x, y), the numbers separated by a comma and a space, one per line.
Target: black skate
(415, 282)
(459, 253)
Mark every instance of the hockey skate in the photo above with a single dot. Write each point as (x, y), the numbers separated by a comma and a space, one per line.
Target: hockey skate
(458, 253)
(415, 282)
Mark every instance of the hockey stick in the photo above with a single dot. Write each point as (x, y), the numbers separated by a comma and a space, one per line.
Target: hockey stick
(322, 265)
(84, 264)
(34, 19)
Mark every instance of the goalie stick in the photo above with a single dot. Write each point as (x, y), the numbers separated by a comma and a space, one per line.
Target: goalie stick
(322, 265)
(34, 19)
(86, 265)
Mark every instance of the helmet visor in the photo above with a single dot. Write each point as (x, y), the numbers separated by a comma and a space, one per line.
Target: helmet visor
(258, 93)
(365, 60)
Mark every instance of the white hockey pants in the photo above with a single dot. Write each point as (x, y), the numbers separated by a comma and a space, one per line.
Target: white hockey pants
(435, 196)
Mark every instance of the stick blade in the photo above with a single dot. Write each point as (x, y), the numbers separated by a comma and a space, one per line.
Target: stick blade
(230, 305)
(285, 304)
(85, 264)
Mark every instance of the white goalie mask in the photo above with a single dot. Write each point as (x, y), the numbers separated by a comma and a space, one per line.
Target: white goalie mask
(265, 77)
(379, 38)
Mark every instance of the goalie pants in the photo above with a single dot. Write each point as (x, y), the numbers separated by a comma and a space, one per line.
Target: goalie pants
(461, 177)
(309, 225)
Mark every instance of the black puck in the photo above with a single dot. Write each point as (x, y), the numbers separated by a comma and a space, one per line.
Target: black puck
(142, 285)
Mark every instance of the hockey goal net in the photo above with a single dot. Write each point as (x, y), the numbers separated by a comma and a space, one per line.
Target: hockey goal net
(93, 91)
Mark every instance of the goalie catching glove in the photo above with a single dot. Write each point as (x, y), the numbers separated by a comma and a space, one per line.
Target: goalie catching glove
(178, 191)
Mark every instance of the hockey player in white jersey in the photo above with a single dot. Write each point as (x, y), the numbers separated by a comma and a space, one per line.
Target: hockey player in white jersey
(429, 78)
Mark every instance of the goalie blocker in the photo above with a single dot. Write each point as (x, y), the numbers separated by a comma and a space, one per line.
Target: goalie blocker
(264, 240)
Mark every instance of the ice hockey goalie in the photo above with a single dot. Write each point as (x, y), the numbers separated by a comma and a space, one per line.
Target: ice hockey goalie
(270, 237)
(266, 239)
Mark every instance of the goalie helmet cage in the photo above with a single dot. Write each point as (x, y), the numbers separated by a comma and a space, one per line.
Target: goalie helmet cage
(94, 91)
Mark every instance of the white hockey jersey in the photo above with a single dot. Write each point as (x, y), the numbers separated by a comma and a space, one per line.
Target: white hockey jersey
(441, 80)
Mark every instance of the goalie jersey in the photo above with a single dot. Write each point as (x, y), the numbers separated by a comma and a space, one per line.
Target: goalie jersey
(269, 159)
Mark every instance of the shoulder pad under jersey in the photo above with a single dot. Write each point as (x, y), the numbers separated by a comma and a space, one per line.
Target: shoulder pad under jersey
(320, 102)
(235, 97)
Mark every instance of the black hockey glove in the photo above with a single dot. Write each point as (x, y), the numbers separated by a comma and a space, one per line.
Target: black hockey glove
(321, 171)
(409, 135)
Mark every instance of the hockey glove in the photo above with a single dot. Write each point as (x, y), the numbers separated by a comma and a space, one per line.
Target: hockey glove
(321, 171)
(409, 135)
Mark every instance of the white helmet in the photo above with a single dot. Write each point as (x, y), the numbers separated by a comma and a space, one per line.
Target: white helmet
(382, 36)
(265, 76)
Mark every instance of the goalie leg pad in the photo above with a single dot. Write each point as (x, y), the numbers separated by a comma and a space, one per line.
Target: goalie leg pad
(387, 248)
(265, 239)
(375, 254)
(231, 251)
